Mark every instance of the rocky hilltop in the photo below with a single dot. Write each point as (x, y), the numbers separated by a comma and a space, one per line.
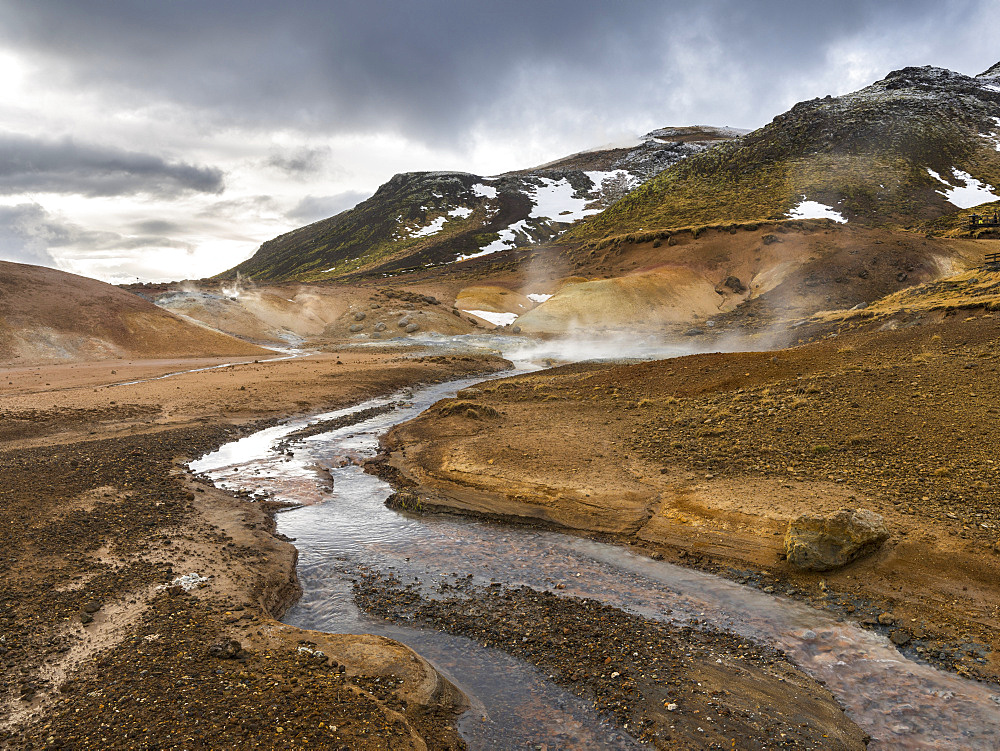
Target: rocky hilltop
(912, 147)
(421, 219)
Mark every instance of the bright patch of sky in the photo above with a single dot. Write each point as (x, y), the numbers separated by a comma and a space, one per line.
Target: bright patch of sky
(497, 319)
(816, 210)
(966, 196)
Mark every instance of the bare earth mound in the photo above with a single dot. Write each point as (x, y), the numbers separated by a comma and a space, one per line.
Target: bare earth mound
(49, 316)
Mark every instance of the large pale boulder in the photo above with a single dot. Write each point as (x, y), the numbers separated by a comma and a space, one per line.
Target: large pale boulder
(820, 543)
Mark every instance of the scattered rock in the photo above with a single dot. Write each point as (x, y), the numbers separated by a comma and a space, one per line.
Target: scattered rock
(91, 606)
(468, 409)
(412, 327)
(380, 326)
(899, 637)
(820, 543)
(360, 315)
(404, 322)
(734, 284)
(355, 328)
(225, 649)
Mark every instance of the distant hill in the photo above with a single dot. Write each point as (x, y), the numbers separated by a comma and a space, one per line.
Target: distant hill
(421, 219)
(50, 316)
(914, 146)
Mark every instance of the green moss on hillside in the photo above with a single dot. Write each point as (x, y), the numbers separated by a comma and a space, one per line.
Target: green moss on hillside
(865, 154)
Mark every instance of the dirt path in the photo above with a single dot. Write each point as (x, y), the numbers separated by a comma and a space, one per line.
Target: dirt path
(104, 645)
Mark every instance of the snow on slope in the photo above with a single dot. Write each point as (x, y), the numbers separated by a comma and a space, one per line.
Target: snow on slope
(497, 319)
(972, 193)
(815, 210)
(555, 200)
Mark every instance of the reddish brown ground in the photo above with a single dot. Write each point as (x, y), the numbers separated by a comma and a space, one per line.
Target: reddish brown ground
(49, 316)
(96, 511)
(705, 459)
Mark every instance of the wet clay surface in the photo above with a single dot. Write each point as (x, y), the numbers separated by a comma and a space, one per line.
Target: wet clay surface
(106, 638)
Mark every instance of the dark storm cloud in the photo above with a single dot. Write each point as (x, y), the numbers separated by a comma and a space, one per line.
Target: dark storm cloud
(437, 68)
(28, 233)
(156, 227)
(313, 208)
(33, 165)
(304, 162)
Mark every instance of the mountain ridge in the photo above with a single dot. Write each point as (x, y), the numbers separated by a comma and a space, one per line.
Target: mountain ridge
(865, 155)
(417, 219)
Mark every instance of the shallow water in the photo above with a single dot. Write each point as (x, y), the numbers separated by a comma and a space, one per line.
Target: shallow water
(346, 527)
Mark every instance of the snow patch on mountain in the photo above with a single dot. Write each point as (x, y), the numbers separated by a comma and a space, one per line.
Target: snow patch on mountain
(966, 196)
(993, 137)
(508, 239)
(497, 319)
(484, 191)
(557, 200)
(431, 229)
(816, 210)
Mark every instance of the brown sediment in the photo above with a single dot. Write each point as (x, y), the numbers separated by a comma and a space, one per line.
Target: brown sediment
(98, 517)
(704, 460)
(671, 687)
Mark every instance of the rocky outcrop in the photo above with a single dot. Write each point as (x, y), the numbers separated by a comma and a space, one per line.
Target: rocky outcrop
(821, 543)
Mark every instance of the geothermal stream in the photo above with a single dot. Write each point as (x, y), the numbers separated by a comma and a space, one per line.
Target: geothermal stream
(342, 530)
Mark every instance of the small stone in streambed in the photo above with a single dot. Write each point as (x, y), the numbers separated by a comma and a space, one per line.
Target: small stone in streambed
(91, 606)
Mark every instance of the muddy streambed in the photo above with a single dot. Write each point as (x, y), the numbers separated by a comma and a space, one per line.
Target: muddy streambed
(343, 528)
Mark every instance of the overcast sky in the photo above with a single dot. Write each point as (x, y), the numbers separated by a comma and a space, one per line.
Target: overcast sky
(167, 140)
